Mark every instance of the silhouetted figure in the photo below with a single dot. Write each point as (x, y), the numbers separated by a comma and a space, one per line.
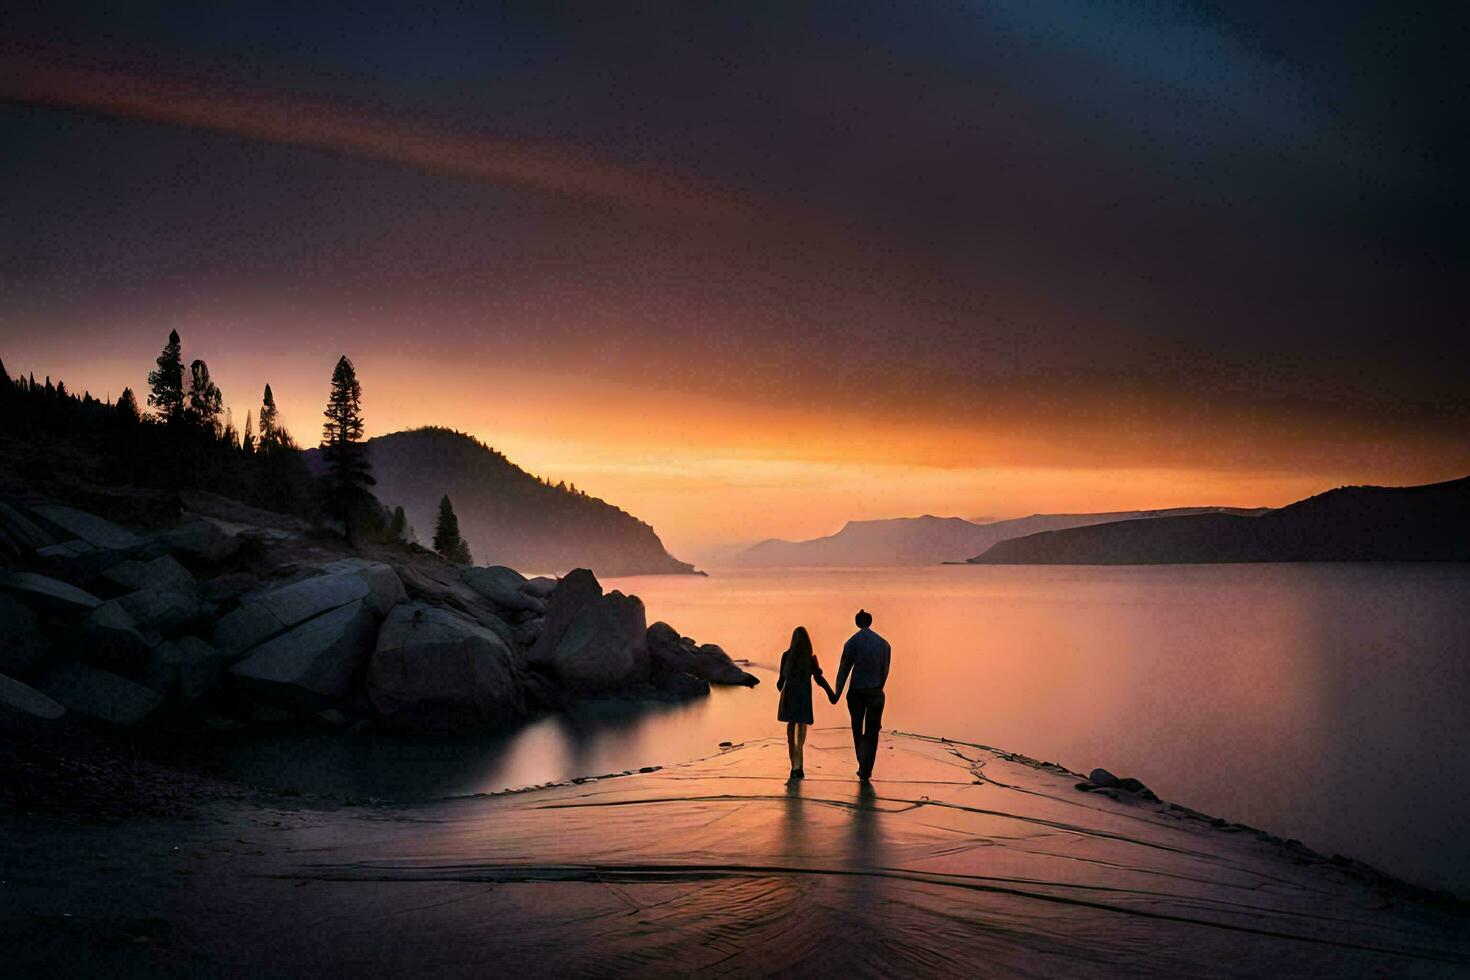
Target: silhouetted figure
(799, 668)
(865, 656)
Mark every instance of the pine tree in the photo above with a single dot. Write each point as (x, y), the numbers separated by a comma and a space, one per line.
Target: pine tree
(248, 442)
(446, 535)
(166, 384)
(231, 436)
(342, 448)
(127, 407)
(204, 403)
(270, 436)
(399, 525)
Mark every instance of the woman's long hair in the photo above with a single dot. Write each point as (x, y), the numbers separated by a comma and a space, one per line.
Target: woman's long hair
(799, 663)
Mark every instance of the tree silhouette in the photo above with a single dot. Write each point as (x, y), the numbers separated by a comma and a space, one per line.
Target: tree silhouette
(166, 383)
(270, 434)
(204, 402)
(446, 535)
(342, 448)
(230, 436)
(399, 524)
(127, 407)
(248, 442)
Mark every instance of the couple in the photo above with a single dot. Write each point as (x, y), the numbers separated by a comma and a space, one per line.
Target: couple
(865, 657)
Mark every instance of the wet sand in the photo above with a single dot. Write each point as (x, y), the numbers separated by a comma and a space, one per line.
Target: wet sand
(956, 859)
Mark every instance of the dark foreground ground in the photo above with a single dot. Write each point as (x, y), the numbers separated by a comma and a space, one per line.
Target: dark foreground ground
(956, 860)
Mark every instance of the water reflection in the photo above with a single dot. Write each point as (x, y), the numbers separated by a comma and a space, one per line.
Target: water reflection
(865, 841)
(1324, 702)
(594, 737)
(793, 841)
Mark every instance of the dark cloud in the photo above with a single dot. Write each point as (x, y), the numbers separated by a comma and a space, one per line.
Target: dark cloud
(1256, 203)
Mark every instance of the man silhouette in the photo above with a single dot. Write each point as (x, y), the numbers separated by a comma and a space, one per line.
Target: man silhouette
(865, 656)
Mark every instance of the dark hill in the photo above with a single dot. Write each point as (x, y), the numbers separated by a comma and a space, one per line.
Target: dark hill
(925, 540)
(1427, 523)
(508, 516)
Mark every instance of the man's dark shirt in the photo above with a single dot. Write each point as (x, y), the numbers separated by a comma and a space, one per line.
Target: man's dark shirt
(865, 656)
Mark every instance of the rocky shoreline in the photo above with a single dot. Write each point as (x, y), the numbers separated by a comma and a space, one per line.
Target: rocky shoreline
(229, 617)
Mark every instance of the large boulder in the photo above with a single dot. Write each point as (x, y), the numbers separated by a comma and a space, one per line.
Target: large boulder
(66, 552)
(315, 665)
(96, 531)
(716, 666)
(11, 550)
(502, 586)
(540, 587)
(163, 573)
(435, 670)
(23, 530)
(23, 708)
(204, 538)
(167, 612)
(187, 669)
(110, 638)
(48, 595)
(199, 539)
(576, 590)
(602, 648)
(385, 590)
(266, 613)
(227, 587)
(672, 653)
(679, 687)
(100, 695)
(526, 634)
(24, 648)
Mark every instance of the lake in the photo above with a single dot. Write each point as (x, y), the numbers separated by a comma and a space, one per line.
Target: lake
(1322, 702)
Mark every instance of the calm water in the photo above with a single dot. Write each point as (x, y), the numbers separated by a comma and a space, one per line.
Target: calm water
(1324, 702)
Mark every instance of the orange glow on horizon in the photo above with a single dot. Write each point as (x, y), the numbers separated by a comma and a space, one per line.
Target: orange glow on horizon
(707, 470)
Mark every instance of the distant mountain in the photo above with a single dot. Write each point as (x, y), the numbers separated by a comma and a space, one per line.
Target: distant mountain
(928, 540)
(1428, 523)
(508, 516)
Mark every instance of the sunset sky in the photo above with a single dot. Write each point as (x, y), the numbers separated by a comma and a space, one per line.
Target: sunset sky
(753, 272)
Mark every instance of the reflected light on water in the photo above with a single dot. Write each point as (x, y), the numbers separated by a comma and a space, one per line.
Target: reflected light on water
(1324, 702)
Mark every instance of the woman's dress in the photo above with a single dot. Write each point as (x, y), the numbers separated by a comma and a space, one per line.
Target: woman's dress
(796, 693)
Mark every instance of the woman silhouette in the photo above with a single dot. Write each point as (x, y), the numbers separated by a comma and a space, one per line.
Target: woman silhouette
(798, 668)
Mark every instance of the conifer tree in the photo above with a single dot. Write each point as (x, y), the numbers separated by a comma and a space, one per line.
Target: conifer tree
(127, 406)
(231, 435)
(270, 436)
(446, 535)
(166, 383)
(204, 402)
(248, 442)
(342, 448)
(399, 525)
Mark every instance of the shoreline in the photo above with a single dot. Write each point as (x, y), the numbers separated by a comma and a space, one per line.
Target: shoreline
(996, 837)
